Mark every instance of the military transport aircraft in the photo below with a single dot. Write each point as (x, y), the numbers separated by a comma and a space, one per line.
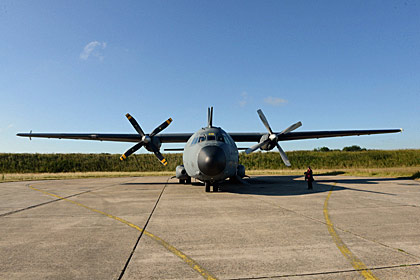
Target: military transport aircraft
(210, 154)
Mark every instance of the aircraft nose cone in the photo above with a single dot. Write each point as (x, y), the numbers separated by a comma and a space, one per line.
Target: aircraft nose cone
(211, 160)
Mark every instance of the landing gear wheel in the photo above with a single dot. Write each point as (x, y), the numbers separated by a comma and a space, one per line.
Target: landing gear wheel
(207, 186)
(188, 181)
(181, 181)
(215, 187)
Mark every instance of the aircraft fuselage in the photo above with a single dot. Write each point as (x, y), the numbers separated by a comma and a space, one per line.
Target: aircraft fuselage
(211, 155)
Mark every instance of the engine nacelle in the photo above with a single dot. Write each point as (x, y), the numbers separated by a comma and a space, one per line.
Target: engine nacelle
(240, 171)
(269, 145)
(156, 142)
(181, 173)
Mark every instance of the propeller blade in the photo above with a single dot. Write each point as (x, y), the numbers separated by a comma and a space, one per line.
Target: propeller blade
(291, 128)
(158, 154)
(254, 147)
(283, 155)
(135, 124)
(161, 127)
(264, 120)
(131, 150)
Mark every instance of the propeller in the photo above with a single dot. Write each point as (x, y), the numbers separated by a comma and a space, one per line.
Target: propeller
(272, 138)
(146, 139)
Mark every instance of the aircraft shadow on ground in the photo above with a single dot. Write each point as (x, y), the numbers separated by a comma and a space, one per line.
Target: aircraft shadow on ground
(151, 183)
(289, 185)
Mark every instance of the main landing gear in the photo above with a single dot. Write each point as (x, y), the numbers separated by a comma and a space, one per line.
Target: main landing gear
(208, 185)
(185, 181)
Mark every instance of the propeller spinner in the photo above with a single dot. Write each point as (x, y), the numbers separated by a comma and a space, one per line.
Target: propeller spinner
(146, 139)
(273, 138)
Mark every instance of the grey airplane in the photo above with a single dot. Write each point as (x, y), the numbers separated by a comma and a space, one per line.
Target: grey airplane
(210, 154)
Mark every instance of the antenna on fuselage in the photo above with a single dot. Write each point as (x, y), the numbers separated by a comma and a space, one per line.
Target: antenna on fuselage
(210, 117)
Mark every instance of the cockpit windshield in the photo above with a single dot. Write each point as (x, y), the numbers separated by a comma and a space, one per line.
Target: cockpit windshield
(211, 136)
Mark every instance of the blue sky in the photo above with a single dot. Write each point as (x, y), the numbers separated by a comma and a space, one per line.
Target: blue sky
(80, 66)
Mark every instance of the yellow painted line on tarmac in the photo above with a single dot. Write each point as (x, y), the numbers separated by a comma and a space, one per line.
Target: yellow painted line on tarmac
(193, 264)
(354, 260)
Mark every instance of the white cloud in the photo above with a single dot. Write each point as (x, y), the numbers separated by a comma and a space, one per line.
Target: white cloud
(274, 101)
(4, 129)
(244, 99)
(92, 49)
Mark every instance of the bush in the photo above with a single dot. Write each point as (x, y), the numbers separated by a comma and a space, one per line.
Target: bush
(353, 148)
(323, 149)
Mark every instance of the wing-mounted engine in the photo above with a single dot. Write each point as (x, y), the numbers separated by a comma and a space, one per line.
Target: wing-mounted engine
(266, 144)
(270, 140)
(156, 142)
(150, 141)
(182, 175)
(240, 171)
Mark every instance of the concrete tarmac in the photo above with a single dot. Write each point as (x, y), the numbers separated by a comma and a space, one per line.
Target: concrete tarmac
(271, 227)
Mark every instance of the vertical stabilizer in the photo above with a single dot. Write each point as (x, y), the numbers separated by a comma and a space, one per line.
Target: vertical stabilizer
(210, 117)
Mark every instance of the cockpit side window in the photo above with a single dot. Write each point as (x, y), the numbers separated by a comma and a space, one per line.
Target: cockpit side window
(202, 138)
(194, 141)
(227, 139)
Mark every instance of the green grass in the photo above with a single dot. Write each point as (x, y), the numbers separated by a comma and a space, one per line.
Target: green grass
(395, 163)
(14, 177)
(392, 172)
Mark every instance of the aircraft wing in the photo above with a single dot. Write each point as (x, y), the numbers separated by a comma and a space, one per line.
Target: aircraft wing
(255, 137)
(164, 138)
(183, 137)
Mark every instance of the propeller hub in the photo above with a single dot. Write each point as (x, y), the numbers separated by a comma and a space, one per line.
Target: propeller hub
(146, 139)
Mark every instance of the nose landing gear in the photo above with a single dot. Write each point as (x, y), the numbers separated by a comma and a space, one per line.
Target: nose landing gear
(208, 184)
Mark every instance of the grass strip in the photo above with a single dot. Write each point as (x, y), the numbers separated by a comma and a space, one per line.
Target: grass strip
(389, 172)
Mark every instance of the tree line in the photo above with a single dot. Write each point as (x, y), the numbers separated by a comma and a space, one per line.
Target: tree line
(54, 163)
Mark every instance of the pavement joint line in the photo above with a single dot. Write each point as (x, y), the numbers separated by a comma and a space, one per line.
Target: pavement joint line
(344, 230)
(54, 200)
(323, 273)
(354, 260)
(41, 204)
(375, 241)
(141, 232)
(192, 263)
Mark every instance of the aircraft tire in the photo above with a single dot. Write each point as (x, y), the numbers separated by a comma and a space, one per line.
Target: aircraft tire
(181, 181)
(215, 187)
(188, 181)
(207, 186)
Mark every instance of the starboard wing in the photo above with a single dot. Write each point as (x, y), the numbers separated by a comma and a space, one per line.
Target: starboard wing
(164, 138)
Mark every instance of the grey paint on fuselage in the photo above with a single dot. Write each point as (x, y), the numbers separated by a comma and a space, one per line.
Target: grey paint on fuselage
(205, 139)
